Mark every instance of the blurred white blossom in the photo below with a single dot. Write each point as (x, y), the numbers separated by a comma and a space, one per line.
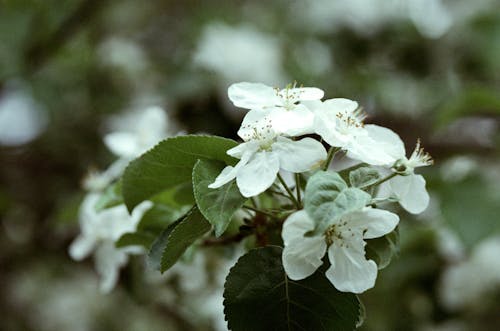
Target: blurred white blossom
(240, 53)
(470, 282)
(99, 232)
(137, 132)
(22, 119)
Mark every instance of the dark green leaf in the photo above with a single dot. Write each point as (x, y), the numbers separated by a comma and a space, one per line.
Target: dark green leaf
(135, 239)
(258, 296)
(176, 238)
(381, 250)
(327, 199)
(111, 197)
(217, 205)
(159, 216)
(363, 177)
(169, 164)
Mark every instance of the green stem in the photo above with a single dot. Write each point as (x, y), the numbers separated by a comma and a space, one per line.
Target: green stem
(331, 153)
(260, 211)
(297, 189)
(290, 193)
(382, 180)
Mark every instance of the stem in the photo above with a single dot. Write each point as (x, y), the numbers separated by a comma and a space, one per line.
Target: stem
(331, 153)
(290, 193)
(380, 181)
(297, 189)
(260, 211)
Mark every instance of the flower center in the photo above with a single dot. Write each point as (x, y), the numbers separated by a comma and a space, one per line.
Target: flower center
(347, 121)
(289, 95)
(419, 158)
(340, 233)
(262, 132)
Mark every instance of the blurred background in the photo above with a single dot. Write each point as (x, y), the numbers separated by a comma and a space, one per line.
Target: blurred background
(427, 69)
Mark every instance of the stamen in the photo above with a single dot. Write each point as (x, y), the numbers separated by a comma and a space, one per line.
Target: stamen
(420, 158)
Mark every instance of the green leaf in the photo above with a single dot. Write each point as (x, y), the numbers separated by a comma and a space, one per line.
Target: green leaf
(217, 205)
(258, 296)
(156, 218)
(176, 238)
(363, 177)
(170, 163)
(381, 250)
(327, 198)
(135, 239)
(111, 197)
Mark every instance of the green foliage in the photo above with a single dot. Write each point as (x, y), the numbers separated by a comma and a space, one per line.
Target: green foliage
(111, 197)
(363, 177)
(217, 205)
(327, 198)
(176, 238)
(135, 239)
(472, 101)
(258, 296)
(169, 164)
(381, 250)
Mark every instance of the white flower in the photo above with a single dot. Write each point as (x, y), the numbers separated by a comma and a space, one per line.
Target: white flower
(245, 49)
(281, 106)
(469, 283)
(263, 154)
(409, 188)
(99, 231)
(340, 123)
(350, 271)
(142, 131)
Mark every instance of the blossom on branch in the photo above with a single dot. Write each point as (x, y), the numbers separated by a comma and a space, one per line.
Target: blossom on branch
(344, 240)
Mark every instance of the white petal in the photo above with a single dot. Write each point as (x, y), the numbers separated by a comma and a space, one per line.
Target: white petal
(123, 144)
(411, 192)
(295, 122)
(366, 149)
(299, 156)
(252, 120)
(108, 261)
(229, 173)
(387, 140)
(81, 247)
(350, 271)
(302, 93)
(296, 226)
(337, 105)
(301, 255)
(373, 222)
(258, 174)
(252, 95)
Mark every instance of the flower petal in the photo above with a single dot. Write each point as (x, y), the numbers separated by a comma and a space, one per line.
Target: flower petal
(338, 105)
(302, 93)
(296, 226)
(299, 156)
(372, 222)
(258, 174)
(81, 247)
(350, 270)
(122, 144)
(108, 261)
(301, 255)
(411, 192)
(295, 122)
(229, 173)
(387, 140)
(252, 95)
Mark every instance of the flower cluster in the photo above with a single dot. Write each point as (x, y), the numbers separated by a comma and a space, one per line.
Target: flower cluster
(286, 130)
(102, 227)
